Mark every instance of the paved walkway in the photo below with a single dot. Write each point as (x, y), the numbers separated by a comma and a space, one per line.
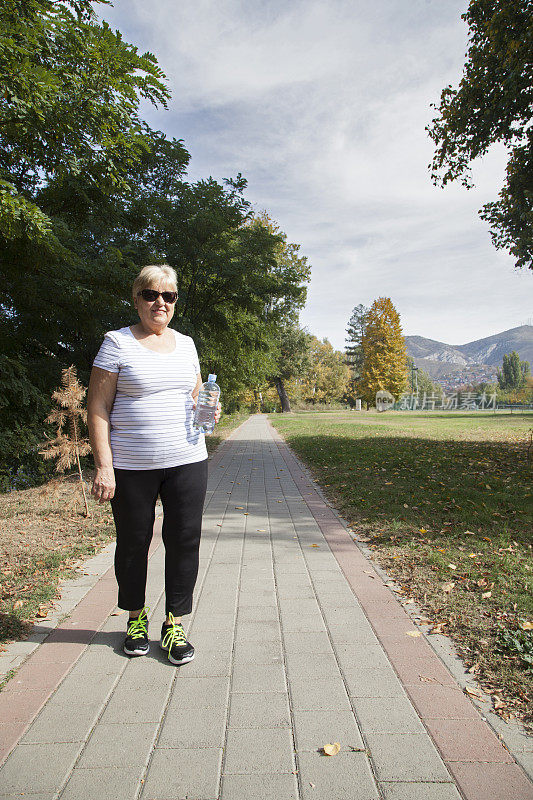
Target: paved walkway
(298, 643)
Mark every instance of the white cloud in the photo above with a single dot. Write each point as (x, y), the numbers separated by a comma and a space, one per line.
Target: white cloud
(323, 107)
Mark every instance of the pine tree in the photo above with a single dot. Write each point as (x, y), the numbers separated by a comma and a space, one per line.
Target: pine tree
(355, 331)
(68, 447)
(385, 357)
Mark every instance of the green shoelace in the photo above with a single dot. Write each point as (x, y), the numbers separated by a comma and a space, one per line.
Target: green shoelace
(137, 628)
(173, 636)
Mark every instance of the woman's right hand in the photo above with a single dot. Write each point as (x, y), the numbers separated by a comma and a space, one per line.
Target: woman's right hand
(103, 487)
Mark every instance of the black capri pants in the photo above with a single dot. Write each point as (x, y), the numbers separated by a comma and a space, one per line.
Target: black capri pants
(182, 490)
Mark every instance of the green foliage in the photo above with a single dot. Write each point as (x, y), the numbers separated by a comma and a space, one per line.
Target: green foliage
(514, 372)
(354, 340)
(517, 643)
(493, 104)
(327, 379)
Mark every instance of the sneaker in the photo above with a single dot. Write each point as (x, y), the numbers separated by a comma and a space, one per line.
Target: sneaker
(136, 642)
(173, 641)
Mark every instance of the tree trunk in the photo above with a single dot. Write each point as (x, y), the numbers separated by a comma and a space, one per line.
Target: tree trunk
(283, 396)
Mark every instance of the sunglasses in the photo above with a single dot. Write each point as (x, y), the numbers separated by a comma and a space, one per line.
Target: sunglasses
(151, 294)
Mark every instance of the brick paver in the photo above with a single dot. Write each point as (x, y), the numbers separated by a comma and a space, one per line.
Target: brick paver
(299, 643)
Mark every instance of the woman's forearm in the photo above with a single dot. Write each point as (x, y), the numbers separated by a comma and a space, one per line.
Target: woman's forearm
(99, 437)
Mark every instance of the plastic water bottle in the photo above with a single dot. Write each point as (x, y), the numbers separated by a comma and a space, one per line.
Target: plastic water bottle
(204, 415)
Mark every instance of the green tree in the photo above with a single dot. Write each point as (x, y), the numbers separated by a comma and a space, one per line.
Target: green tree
(514, 372)
(293, 359)
(493, 104)
(328, 376)
(385, 357)
(354, 340)
(71, 89)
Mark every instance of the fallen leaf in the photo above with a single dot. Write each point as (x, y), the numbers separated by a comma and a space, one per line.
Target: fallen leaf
(18, 604)
(473, 691)
(471, 555)
(485, 595)
(438, 628)
(414, 634)
(239, 508)
(469, 533)
(315, 545)
(452, 566)
(423, 530)
(261, 530)
(447, 587)
(526, 626)
(331, 749)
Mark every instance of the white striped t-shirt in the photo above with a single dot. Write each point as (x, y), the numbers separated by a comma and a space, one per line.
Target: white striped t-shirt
(151, 418)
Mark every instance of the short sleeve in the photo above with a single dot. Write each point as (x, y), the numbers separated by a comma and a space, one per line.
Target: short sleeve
(108, 357)
(195, 358)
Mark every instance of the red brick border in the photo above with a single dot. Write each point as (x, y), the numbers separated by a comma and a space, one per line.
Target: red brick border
(481, 766)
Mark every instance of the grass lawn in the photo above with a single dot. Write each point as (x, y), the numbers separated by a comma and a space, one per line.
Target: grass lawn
(445, 501)
(45, 537)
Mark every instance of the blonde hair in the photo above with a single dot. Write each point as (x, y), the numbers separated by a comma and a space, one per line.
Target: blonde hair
(152, 274)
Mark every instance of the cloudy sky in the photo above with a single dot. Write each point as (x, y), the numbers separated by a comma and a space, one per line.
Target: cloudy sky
(322, 106)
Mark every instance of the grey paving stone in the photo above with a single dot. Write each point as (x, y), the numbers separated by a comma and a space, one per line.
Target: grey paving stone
(177, 773)
(118, 745)
(360, 634)
(307, 642)
(259, 710)
(258, 751)
(43, 767)
(387, 715)
(294, 622)
(311, 665)
(373, 682)
(104, 784)
(361, 656)
(346, 776)
(259, 787)
(405, 757)
(203, 727)
(63, 723)
(419, 791)
(324, 694)
(130, 705)
(314, 729)
(191, 693)
(252, 677)
(266, 631)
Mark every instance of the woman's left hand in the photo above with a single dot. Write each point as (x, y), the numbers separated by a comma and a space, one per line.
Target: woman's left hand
(218, 412)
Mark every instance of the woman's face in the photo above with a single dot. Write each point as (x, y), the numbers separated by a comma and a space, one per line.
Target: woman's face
(155, 315)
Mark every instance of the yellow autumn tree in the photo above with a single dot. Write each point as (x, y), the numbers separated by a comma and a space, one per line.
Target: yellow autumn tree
(384, 354)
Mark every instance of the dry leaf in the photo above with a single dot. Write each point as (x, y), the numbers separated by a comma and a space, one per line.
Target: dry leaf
(486, 594)
(18, 604)
(42, 611)
(261, 530)
(423, 530)
(331, 749)
(315, 545)
(239, 508)
(526, 626)
(447, 587)
(473, 668)
(473, 692)
(452, 566)
(469, 533)
(414, 634)
(438, 628)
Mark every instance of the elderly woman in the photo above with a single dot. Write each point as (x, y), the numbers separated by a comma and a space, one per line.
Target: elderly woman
(141, 401)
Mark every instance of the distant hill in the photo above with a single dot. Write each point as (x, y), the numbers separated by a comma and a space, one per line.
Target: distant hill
(467, 361)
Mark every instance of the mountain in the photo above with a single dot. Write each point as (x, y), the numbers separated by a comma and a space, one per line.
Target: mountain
(469, 361)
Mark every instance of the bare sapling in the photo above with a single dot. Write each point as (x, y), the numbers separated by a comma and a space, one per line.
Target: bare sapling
(68, 445)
